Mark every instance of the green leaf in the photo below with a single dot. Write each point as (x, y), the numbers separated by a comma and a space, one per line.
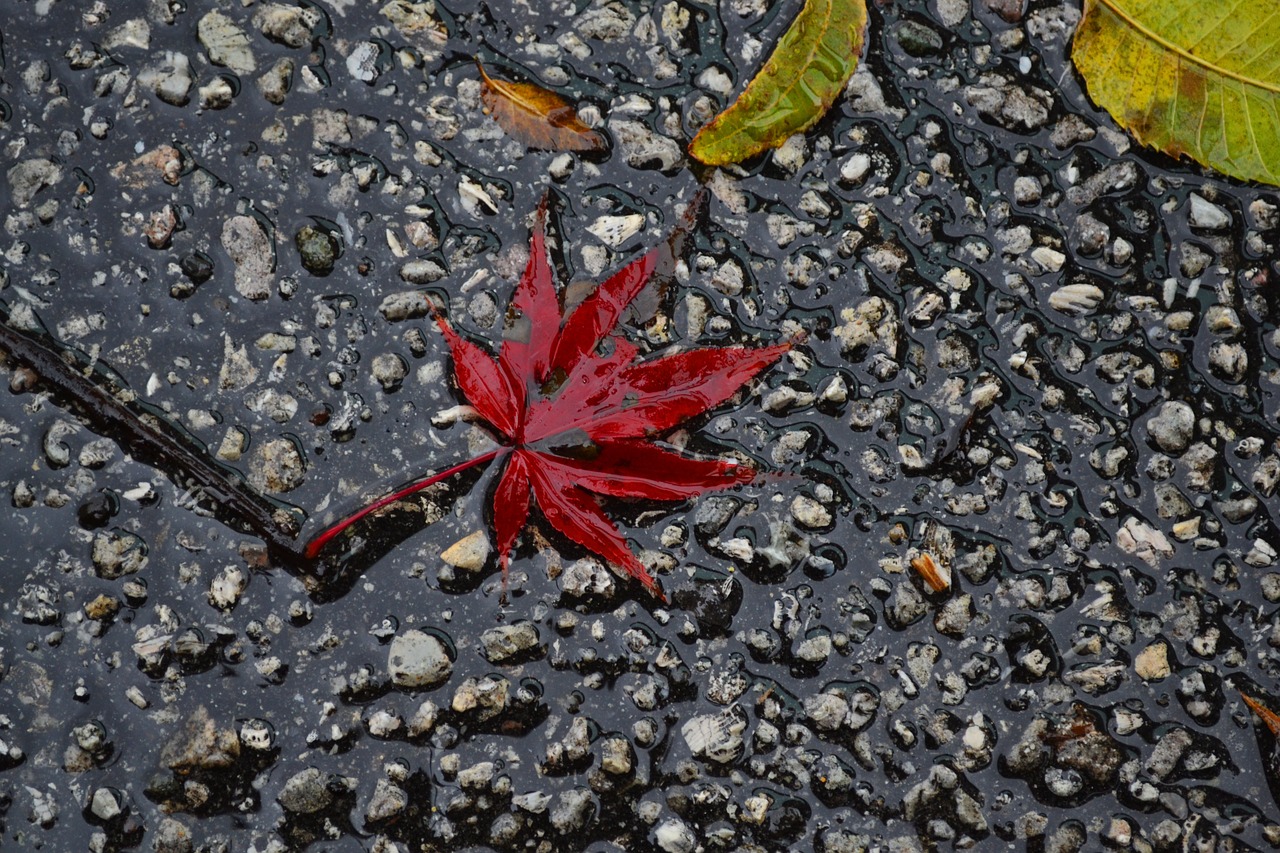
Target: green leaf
(1189, 77)
(809, 67)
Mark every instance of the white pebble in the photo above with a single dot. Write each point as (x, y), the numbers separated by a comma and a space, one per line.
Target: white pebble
(854, 169)
(1207, 215)
(1078, 298)
(613, 231)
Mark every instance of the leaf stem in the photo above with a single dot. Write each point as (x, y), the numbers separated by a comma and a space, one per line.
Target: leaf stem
(327, 535)
(147, 433)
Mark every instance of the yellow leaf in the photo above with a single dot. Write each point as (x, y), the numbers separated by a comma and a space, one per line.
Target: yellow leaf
(1189, 77)
(808, 69)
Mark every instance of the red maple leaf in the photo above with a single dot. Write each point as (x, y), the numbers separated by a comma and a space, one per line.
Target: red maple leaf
(575, 419)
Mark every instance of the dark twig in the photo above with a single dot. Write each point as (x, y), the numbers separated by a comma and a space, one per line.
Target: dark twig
(148, 434)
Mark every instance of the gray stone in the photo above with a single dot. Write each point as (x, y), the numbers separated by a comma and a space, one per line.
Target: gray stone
(250, 249)
(815, 650)
(642, 148)
(418, 23)
(905, 606)
(201, 745)
(1071, 129)
(716, 737)
(1193, 260)
(163, 222)
(274, 85)
(953, 12)
(226, 587)
(1173, 427)
(330, 127)
(1116, 176)
(955, 615)
(318, 249)
(1091, 235)
(290, 26)
(423, 719)
(606, 20)
(418, 659)
(29, 177)
(117, 553)
(810, 513)
(170, 79)
(1208, 216)
(478, 776)
(406, 305)
(616, 756)
(389, 370)
(421, 272)
(217, 94)
(277, 466)
(23, 496)
(843, 841)
(388, 801)
(172, 836)
(225, 43)
(1010, 10)
(470, 553)
(306, 792)
(918, 39)
(362, 62)
(1026, 190)
(1168, 751)
(572, 810)
(1229, 360)
(506, 642)
(237, 370)
(1265, 477)
(90, 737)
(534, 802)
(674, 836)
(105, 804)
(1008, 104)
(572, 748)
(588, 578)
(1239, 509)
(134, 33)
(1222, 320)
(1068, 838)
(258, 734)
(481, 699)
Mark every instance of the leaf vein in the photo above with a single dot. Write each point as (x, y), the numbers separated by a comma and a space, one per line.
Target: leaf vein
(1265, 85)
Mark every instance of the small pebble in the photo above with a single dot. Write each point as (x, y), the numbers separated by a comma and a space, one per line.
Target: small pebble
(418, 659)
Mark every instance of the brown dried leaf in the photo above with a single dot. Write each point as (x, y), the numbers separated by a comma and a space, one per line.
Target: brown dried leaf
(1268, 717)
(536, 116)
(937, 577)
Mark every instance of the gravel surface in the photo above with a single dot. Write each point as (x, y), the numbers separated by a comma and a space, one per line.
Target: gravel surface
(1007, 578)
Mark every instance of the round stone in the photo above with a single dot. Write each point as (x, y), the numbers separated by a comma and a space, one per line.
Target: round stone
(418, 659)
(317, 249)
(1173, 427)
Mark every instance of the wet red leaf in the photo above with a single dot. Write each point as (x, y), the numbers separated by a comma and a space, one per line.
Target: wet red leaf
(578, 420)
